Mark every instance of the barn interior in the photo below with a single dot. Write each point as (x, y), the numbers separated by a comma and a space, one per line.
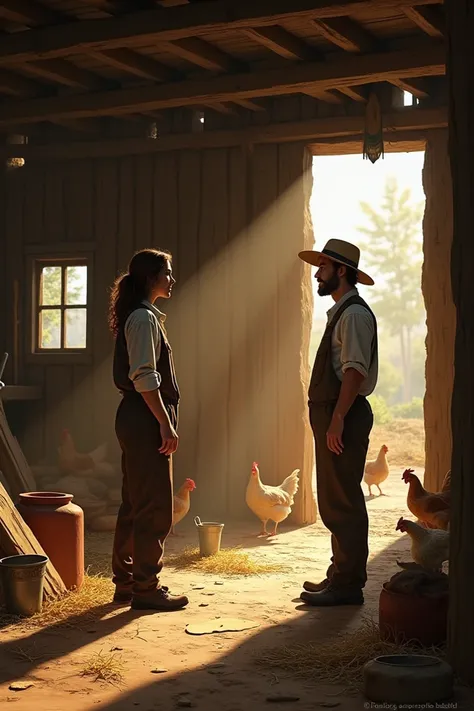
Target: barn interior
(191, 126)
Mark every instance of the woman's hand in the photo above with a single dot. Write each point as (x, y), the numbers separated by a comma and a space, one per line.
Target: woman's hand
(169, 439)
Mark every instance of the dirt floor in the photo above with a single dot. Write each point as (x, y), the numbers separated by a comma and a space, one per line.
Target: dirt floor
(165, 668)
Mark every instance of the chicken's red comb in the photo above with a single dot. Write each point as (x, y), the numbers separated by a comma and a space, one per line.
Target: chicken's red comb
(254, 465)
(190, 481)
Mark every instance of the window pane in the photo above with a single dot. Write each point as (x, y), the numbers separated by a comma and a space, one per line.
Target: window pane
(75, 328)
(76, 285)
(49, 329)
(50, 293)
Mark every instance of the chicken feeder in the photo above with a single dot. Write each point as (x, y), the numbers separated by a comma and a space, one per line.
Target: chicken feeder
(408, 679)
(210, 534)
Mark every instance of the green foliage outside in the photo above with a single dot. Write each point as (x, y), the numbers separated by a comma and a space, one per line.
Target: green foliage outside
(52, 296)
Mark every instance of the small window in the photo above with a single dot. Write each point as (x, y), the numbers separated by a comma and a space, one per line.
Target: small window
(61, 306)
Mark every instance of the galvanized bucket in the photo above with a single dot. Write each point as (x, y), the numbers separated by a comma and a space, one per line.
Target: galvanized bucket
(23, 580)
(210, 534)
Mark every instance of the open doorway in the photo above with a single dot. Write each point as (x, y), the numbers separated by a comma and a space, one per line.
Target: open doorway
(380, 208)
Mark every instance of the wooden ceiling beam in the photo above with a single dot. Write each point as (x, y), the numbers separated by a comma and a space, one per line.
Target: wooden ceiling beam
(17, 85)
(291, 79)
(29, 14)
(312, 130)
(137, 64)
(62, 72)
(224, 109)
(282, 42)
(356, 93)
(205, 55)
(347, 34)
(428, 19)
(413, 86)
(250, 105)
(327, 96)
(175, 23)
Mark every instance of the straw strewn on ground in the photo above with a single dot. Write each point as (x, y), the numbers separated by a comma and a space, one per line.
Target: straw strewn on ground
(229, 561)
(339, 660)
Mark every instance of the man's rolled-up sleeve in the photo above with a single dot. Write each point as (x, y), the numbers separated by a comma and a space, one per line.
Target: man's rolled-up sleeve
(357, 333)
(143, 339)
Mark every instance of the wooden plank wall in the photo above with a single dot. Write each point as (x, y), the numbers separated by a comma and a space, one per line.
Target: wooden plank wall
(239, 319)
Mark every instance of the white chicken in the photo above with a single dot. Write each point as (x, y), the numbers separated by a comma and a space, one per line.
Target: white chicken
(429, 546)
(182, 502)
(271, 503)
(377, 471)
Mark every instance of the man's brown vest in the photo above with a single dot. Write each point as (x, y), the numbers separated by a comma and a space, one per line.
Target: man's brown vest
(325, 386)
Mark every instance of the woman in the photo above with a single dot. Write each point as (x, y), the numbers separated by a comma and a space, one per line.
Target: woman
(145, 425)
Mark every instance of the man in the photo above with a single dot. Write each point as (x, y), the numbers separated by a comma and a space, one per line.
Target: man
(344, 374)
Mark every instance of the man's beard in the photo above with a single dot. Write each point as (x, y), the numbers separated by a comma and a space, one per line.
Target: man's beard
(326, 288)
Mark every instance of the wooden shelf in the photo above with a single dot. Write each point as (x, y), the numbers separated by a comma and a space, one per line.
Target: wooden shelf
(21, 392)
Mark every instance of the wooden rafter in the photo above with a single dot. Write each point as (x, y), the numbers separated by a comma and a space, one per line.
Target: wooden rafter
(62, 72)
(356, 93)
(347, 34)
(173, 24)
(197, 51)
(137, 64)
(250, 105)
(429, 19)
(282, 42)
(17, 85)
(317, 76)
(408, 119)
(413, 86)
(326, 96)
(29, 14)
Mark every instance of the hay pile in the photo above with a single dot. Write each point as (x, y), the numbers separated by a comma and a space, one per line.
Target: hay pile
(339, 660)
(229, 561)
(104, 667)
(75, 608)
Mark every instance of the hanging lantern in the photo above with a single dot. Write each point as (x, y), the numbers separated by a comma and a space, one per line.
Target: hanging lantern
(17, 140)
(373, 129)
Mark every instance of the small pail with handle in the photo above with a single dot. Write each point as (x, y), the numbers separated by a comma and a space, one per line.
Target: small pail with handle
(210, 534)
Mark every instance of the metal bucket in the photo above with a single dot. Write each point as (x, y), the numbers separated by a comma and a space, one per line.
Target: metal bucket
(210, 534)
(23, 580)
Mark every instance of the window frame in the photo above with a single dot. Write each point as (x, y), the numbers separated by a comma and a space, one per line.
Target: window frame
(37, 261)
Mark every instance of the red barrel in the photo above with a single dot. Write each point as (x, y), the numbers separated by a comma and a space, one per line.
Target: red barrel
(417, 618)
(58, 524)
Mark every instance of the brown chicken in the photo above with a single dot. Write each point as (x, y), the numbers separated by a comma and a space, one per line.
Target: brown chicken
(182, 503)
(70, 460)
(377, 471)
(433, 510)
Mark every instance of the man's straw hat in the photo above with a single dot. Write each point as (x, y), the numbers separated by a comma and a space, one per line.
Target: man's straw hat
(341, 252)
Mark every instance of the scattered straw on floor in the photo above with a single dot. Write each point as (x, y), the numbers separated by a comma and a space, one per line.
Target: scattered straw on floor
(229, 561)
(104, 667)
(75, 608)
(339, 660)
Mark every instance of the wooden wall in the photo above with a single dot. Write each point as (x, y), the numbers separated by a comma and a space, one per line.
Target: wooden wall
(440, 311)
(239, 319)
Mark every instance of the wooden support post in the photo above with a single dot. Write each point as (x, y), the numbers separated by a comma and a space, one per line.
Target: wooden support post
(460, 69)
(440, 311)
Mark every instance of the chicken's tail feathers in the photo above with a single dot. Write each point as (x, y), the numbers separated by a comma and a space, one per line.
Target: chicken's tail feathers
(290, 484)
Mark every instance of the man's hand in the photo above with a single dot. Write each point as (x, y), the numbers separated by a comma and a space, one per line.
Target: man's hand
(169, 439)
(334, 434)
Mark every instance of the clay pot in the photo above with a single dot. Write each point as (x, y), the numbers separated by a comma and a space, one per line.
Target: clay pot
(58, 524)
(418, 618)
(407, 679)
